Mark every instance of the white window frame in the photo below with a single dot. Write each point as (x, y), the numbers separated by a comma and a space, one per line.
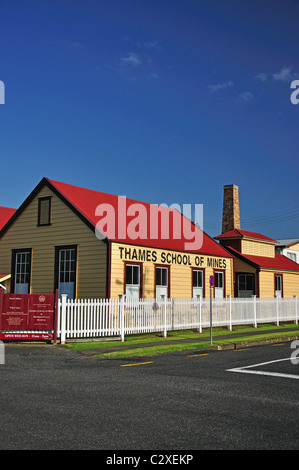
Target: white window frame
(66, 285)
(197, 290)
(162, 288)
(133, 289)
(219, 290)
(278, 286)
(22, 263)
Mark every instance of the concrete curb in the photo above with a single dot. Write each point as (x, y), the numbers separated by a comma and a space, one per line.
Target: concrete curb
(246, 344)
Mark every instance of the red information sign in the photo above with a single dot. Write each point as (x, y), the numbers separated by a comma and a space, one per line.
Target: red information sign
(27, 312)
(41, 311)
(14, 312)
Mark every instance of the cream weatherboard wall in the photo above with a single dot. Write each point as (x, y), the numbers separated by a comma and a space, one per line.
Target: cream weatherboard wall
(294, 247)
(180, 273)
(66, 229)
(290, 283)
(256, 248)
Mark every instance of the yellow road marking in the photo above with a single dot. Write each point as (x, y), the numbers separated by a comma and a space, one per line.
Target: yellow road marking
(196, 355)
(245, 349)
(279, 344)
(137, 364)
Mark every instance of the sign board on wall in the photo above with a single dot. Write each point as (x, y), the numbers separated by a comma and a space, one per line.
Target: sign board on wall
(171, 258)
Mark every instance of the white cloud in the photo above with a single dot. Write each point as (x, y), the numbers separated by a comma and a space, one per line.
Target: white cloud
(263, 77)
(153, 75)
(284, 75)
(152, 45)
(131, 59)
(245, 97)
(220, 86)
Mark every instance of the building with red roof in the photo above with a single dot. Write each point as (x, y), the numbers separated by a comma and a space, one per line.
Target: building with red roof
(91, 244)
(258, 269)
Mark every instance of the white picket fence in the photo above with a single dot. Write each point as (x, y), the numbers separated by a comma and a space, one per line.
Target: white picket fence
(95, 318)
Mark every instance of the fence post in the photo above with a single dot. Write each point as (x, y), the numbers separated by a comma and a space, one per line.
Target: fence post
(121, 309)
(172, 314)
(199, 312)
(164, 299)
(296, 310)
(230, 311)
(254, 311)
(55, 326)
(277, 311)
(63, 318)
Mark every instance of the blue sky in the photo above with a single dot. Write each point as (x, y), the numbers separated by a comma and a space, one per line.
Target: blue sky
(163, 101)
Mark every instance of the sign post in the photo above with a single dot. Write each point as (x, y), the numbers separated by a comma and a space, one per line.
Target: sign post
(212, 284)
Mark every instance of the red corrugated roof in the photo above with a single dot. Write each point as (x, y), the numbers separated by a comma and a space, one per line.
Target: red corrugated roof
(5, 215)
(85, 201)
(278, 262)
(237, 233)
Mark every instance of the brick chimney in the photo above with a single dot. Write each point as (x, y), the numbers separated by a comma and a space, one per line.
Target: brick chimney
(231, 209)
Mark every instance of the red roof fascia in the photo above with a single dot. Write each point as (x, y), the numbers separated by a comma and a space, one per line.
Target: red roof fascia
(237, 233)
(5, 215)
(85, 201)
(278, 262)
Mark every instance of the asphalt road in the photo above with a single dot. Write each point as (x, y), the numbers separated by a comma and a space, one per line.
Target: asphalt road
(54, 398)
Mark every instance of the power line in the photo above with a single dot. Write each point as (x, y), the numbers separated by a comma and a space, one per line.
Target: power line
(289, 214)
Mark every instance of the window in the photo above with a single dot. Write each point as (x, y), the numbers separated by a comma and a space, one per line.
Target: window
(21, 269)
(133, 284)
(219, 285)
(292, 256)
(245, 285)
(44, 211)
(278, 285)
(197, 283)
(65, 268)
(218, 279)
(162, 282)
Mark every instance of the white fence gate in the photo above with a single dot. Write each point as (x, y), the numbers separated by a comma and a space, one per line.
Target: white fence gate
(95, 318)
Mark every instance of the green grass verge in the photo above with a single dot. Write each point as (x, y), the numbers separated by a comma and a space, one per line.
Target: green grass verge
(180, 335)
(153, 350)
